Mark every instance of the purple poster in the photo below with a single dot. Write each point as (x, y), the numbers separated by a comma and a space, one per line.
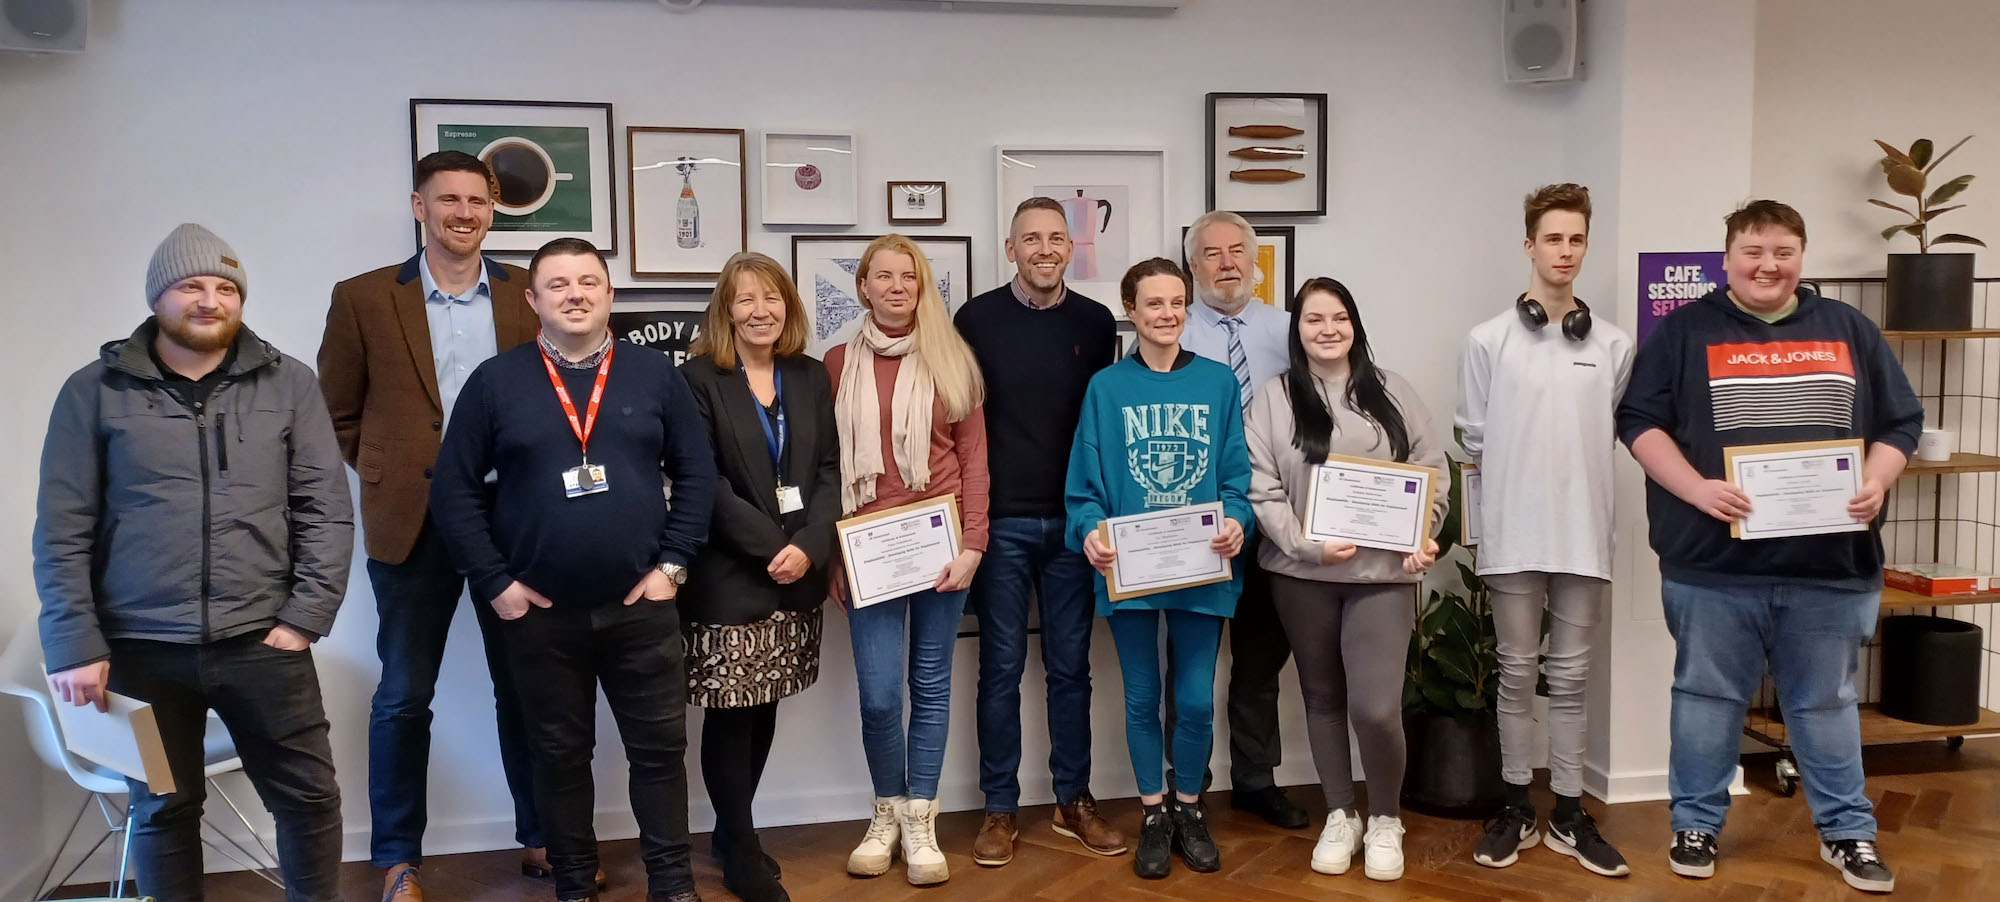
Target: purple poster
(1669, 281)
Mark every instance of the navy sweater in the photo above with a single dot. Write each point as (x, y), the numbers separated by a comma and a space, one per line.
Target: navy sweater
(1037, 364)
(1712, 376)
(582, 551)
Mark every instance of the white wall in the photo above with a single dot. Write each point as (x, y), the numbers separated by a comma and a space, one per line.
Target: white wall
(283, 125)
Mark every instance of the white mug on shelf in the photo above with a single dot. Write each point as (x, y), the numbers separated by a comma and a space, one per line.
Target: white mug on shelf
(1936, 445)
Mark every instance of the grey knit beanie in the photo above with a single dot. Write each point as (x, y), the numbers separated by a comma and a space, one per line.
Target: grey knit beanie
(191, 250)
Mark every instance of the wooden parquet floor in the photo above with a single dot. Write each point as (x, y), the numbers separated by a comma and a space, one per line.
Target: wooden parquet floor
(1939, 812)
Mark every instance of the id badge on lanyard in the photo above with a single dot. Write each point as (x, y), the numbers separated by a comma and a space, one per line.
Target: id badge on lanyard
(789, 497)
(585, 478)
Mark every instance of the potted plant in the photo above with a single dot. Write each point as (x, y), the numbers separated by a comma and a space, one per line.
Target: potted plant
(1925, 291)
(1452, 683)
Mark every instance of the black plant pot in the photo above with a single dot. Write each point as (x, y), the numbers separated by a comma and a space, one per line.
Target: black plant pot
(1454, 764)
(1928, 292)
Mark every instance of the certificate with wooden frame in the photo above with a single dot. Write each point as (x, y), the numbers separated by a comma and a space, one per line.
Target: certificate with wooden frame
(1160, 551)
(1371, 503)
(898, 551)
(1469, 511)
(1796, 488)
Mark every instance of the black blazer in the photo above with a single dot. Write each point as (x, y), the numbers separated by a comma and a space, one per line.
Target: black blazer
(728, 583)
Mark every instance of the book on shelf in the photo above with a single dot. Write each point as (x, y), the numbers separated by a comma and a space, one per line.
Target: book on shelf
(1939, 579)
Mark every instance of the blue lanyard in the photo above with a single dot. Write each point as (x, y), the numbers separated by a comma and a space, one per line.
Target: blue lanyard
(774, 441)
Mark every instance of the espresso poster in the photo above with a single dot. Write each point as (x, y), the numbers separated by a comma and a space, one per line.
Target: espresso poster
(543, 171)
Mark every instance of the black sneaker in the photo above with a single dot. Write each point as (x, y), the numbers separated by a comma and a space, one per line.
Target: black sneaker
(1270, 804)
(1860, 864)
(1508, 833)
(1191, 839)
(1577, 837)
(1693, 854)
(1155, 856)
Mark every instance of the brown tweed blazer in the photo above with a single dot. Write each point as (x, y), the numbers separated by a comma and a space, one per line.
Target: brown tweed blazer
(380, 381)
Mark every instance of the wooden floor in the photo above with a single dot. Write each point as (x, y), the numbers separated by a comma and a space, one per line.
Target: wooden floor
(1939, 812)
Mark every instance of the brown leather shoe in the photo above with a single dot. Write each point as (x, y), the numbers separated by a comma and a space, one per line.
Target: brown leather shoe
(994, 846)
(535, 863)
(400, 884)
(1080, 821)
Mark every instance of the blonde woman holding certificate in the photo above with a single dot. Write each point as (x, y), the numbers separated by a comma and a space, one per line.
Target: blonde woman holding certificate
(1348, 611)
(1163, 429)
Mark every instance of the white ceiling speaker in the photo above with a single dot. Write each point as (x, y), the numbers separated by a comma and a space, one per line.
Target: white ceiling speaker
(44, 26)
(1538, 40)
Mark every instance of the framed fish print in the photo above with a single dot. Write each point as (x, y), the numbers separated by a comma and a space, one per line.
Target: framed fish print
(686, 201)
(552, 162)
(1267, 154)
(825, 266)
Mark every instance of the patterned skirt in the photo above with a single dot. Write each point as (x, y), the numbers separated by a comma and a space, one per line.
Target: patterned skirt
(740, 665)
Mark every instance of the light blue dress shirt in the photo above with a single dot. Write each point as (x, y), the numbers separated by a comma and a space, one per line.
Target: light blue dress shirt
(461, 332)
(1263, 335)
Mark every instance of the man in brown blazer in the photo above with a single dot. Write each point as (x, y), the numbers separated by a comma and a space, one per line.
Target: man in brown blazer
(400, 342)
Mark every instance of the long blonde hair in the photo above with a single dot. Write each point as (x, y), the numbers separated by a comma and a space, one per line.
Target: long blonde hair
(952, 367)
(718, 330)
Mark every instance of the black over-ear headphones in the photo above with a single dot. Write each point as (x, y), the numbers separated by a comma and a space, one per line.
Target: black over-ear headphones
(1576, 323)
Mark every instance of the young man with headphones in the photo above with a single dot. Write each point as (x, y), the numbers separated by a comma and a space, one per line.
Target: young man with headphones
(1538, 387)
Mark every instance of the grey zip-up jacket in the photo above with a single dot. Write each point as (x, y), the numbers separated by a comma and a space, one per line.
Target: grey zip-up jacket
(157, 520)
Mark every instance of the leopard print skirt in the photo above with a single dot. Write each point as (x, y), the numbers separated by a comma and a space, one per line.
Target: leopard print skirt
(740, 665)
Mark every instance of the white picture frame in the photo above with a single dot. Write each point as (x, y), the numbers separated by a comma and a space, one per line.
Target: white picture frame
(1118, 193)
(809, 178)
(823, 267)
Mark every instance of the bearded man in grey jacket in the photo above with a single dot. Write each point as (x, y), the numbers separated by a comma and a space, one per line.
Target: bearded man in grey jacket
(193, 534)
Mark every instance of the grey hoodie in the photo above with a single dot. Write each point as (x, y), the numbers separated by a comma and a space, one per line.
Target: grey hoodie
(158, 521)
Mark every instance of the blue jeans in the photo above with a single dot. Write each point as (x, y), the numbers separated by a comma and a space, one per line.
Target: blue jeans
(415, 601)
(1193, 640)
(1811, 637)
(905, 762)
(1025, 557)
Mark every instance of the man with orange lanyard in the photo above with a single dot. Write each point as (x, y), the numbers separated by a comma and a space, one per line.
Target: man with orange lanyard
(578, 550)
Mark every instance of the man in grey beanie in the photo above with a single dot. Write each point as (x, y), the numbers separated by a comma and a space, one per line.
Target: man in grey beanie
(192, 538)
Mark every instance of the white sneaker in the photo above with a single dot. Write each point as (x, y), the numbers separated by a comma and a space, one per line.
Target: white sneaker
(878, 848)
(918, 819)
(1336, 843)
(1383, 858)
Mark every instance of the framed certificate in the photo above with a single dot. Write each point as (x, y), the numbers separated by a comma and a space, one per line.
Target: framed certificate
(1160, 551)
(1371, 503)
(899, 551)
(1796, 488)
(1468, 506)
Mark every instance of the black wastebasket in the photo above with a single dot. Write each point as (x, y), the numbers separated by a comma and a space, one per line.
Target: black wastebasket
(1930, 670)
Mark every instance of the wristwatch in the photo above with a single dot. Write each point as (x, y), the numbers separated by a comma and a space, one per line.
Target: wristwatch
(675, 572)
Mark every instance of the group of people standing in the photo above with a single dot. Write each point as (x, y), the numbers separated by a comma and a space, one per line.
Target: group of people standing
(667, 535)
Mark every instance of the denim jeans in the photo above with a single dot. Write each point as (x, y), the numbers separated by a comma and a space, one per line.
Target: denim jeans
(415, 601)
(269, 699)
(1811, 637)
(905, 762)
(1025, 557)
(635, 653)
(1192, 642)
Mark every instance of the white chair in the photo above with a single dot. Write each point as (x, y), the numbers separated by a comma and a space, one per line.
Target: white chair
(22, 675)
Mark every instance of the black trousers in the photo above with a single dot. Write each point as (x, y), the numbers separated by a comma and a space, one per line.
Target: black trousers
(269, 699)
(560, 658)
(1258, 651)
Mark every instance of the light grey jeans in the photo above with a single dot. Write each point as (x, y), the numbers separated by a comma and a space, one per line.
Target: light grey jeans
(1574, 604)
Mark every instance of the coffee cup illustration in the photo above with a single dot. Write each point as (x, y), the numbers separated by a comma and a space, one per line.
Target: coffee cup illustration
(526, 173)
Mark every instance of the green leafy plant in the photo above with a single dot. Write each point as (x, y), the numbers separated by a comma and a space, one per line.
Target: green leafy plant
(1454, 662)
(1908, 173)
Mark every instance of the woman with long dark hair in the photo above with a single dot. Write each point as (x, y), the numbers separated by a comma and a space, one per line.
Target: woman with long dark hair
(1347, 611)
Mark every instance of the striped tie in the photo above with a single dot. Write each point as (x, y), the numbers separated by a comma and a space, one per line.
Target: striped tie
(1238, 361)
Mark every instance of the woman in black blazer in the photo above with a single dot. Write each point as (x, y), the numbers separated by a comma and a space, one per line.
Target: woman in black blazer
(752, 601)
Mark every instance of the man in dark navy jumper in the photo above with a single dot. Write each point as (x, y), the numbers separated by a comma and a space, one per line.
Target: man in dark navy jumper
(603, 482)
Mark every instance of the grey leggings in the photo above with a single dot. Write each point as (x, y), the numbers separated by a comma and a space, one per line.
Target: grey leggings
(1351, 640)
(1574, 604)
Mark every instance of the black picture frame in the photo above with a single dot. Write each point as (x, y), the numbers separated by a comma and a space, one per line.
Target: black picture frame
(1316, 167)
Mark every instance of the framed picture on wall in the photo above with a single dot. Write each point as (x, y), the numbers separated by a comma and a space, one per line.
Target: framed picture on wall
(809, 178)
(685, 206)
(825, 267)
(1113, 197)
(916, 203)
(666, 320)
(1276, 279)
(553, 162)
(1267, 154)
